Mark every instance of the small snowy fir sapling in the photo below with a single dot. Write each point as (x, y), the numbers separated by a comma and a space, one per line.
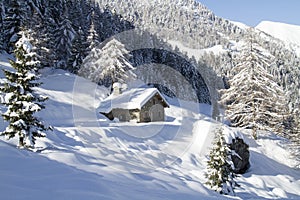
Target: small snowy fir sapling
(93, 37)
(19, 96)
(219, 167)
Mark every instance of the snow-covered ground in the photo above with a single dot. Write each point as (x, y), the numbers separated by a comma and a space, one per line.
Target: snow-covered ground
(89, 157)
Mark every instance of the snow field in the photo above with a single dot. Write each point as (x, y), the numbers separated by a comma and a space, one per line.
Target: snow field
(89, 157)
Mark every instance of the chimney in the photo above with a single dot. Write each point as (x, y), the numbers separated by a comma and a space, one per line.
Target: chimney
(117, 89)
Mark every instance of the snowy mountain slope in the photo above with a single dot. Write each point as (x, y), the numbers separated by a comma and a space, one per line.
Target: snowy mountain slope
(285, 32)
(197, 53)
(240, 25)
(186, 21)
(89, 157)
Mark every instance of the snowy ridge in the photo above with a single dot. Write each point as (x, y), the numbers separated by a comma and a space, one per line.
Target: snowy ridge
(240, 25)
(285, 32)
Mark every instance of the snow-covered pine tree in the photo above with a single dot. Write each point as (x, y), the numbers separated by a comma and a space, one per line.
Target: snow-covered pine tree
(254, 100)
(38, 31)
(297, 124)
(2, 17)
(11, 24)
(63, 44)
(294, 136)
(48, 31)
(85, 11)
(20, 98)
(93, 37)
(110, 65)
(219, 166)
(78, 52)
(77, 13)
(2, 11)
(87, 67)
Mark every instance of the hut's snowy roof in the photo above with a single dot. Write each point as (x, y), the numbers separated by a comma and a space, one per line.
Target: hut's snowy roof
(130, 99)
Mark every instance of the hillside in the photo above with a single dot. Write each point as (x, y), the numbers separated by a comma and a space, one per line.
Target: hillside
(155, 28)
(178, 46)
(89, 157)
(213, 43)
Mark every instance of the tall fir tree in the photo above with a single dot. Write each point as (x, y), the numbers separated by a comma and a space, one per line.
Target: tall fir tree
(15, 14)
(294, 135)
(78, 52)
(87, 66)
(48, 32)
(21, 100)
(254, 100)
(109, 66)
(2, 17)
(11, 24)
(93, 37)
(36, 27)
(220, 173)
(64, 36)
(85, 11)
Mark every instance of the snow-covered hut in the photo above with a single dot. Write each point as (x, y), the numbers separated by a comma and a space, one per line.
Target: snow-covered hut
(139, 104)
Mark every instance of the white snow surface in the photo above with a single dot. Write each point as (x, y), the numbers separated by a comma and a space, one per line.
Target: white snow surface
(88, 157)
(285, 32)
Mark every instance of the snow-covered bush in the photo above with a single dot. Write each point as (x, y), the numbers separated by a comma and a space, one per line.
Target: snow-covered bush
(219, 167)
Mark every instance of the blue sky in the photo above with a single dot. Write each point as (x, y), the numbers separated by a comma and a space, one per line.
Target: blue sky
(251, 12)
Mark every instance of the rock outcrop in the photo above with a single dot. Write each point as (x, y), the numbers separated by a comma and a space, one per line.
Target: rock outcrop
(240, 155)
